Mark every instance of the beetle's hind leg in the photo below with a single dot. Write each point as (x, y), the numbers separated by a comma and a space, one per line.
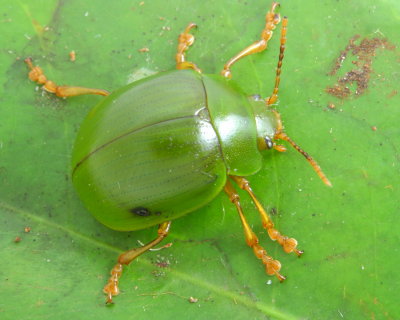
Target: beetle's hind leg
(111, 288)
(185, 40)
(272, 267)
(272, 19)
(36, 74)
(288, 244)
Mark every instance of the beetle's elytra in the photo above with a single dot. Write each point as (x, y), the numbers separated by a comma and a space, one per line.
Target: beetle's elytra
(168, 144)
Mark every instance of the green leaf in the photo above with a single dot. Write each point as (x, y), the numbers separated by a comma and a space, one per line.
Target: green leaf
(349, 232)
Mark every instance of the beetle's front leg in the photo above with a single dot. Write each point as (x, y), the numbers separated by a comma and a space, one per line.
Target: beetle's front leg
(288, 244)
(185, 40)
(272, 19)
(111, 288)
(36, 74)
(272, 266)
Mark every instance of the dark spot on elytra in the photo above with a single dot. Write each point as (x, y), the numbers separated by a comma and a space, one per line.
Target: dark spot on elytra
(141, 211)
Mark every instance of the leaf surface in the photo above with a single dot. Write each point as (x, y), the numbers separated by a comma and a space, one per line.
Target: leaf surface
(349, 232)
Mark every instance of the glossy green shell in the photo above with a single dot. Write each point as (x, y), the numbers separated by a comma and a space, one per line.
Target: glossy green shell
(162, 147)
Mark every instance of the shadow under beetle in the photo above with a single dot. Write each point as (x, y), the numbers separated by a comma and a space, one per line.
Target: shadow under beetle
(166, 145)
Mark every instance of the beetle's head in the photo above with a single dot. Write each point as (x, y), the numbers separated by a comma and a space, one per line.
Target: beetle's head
(270, 129)
(267, 122)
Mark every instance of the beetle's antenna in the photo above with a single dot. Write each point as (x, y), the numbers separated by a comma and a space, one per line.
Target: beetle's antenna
(272, 99)
(274, 96)
(314, 164)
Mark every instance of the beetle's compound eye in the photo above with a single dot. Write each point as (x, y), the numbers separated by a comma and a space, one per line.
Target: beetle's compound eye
(268, 142)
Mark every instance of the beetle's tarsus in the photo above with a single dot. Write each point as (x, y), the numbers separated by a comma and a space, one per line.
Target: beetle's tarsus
(111, 288)
(185, 40)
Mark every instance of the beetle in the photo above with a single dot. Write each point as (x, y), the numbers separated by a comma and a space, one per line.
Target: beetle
(166, 145)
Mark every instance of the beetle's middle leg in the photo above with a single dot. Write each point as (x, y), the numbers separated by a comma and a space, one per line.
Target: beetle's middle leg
(36, 74)
(272, 267)
(272, 19)
(185, 40)
(288, 244)
(111, 288)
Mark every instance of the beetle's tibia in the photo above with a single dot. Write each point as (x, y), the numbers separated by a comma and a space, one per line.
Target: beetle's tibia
(128, 256)
(281, 135)
(272, 19)
(272, 266)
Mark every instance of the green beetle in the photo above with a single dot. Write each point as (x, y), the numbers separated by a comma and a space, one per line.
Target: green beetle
(168, 144)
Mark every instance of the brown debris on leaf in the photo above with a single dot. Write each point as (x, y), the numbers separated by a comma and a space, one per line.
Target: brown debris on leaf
(364, 53)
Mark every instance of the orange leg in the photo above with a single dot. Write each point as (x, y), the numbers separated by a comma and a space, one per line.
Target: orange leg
(111, 288)
(288, 244)
(272, 19)
(36, 74)
(272, 266)
(185, 40)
